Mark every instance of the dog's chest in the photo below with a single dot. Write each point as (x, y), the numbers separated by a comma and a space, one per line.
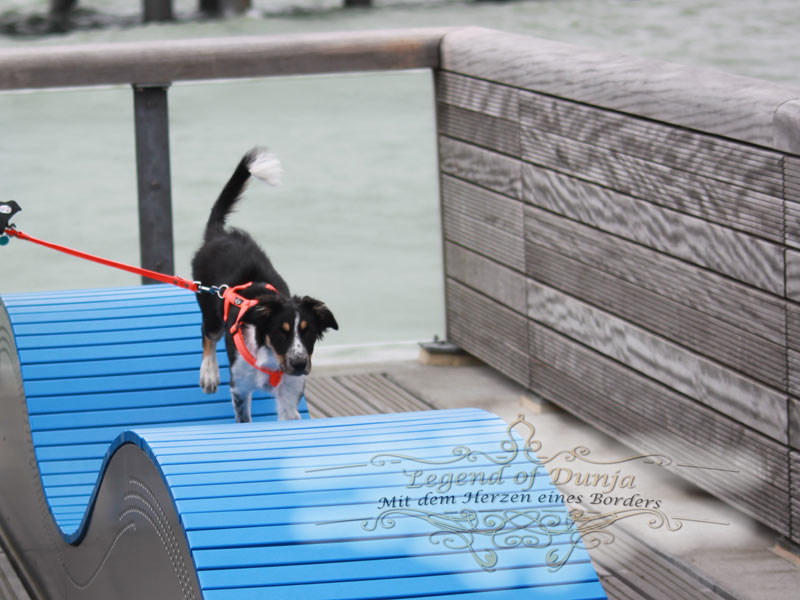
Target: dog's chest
(244, 377)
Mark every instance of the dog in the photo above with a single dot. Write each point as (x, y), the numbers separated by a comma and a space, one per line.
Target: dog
(262, 322)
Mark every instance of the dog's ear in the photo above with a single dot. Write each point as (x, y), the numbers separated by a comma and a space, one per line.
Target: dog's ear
(322, 314)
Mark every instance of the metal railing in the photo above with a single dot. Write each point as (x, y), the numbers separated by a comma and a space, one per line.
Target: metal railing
(150, 68)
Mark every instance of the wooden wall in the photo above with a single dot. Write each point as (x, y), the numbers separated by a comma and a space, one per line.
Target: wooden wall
(623, 237)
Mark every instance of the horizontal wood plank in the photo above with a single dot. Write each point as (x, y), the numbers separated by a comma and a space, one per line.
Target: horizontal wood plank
(701, 379)
(792, 217)
(488, 223)
(487, 169)
(794, 423)
(693, 152)
(486, 329)
(724, 204)
(718, 103)
(719, 297)
(738, 255)
(483, 130)
(494, 280)
(477, 95)
(794, 476)
(727, 343)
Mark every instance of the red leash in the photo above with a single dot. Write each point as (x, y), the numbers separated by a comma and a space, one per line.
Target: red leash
(172, 279)
(228, 294)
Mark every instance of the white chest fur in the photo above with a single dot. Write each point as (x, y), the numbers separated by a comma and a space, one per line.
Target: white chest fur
(245, 379)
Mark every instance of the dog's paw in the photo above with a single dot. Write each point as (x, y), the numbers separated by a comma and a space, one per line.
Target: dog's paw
(289, 415)
(209, 376)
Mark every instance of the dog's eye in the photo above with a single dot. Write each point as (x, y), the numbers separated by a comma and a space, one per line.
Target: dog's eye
(303, 325)
(286, 327)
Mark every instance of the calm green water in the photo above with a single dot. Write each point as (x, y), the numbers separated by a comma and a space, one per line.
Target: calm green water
(356, 220)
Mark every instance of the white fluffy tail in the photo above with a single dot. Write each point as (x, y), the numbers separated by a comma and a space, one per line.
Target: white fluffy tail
(266, 166)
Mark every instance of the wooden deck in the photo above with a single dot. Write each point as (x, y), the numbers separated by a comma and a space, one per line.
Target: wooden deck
(650, 576)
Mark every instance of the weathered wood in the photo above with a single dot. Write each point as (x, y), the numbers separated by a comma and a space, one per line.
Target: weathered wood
(485, 222)
(706, 100)
(793, 325)
(658, 312)
(724, 204)
(492, 279)
(482, 167)
(486, 329)
(794, 424)
(794, 477)
(741, 256)
(157, 10)
(791, 191)
(719, 297)
(787, 126)
(220, 7)
(652, 418)
(477, 95)
(658, 204)
(697, 153)
(791, 166)
(495, 210)
(337, 396)
(182, 60)
(792, 218)
(483, 130)
(703, 380)
(793, 275)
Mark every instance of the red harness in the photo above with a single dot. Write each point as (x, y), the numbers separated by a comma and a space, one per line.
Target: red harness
(230, 296)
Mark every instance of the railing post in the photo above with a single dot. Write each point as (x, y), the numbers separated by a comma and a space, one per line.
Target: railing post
(153, 177)
(157, 10)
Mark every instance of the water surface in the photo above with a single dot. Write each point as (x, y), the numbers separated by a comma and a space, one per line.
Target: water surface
(356, 221)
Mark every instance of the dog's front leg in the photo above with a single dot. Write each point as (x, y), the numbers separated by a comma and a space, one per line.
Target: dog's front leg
(241, 405)
(287, 396)
(209, 367)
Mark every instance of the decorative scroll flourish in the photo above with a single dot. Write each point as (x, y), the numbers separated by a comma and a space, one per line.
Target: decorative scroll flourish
(533, 528)
(510, 449)
(484, 535)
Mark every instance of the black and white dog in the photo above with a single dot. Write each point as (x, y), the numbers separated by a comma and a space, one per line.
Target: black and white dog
(276, 331)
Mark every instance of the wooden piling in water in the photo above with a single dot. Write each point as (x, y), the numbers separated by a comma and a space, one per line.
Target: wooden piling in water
(157, 10)
(221, 7)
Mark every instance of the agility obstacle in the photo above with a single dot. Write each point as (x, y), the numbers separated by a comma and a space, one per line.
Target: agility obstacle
(121, 479)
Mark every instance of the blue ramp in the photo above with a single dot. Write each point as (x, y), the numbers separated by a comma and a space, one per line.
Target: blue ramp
(121, 479)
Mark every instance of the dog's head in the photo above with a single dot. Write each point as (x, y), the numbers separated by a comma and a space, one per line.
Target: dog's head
(290, 327)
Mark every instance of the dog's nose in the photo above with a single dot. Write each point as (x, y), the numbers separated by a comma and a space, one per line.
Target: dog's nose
(298, 365)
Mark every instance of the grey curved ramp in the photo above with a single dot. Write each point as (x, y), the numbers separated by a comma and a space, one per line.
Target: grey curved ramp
(178, 502)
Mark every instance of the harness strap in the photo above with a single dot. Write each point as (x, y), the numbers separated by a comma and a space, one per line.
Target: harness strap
(231, 297)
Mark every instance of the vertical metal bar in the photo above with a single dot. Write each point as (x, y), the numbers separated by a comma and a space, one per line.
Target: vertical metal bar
(157, 10)
(153, 177)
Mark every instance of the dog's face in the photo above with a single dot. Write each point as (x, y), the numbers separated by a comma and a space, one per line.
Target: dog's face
(290, 328)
